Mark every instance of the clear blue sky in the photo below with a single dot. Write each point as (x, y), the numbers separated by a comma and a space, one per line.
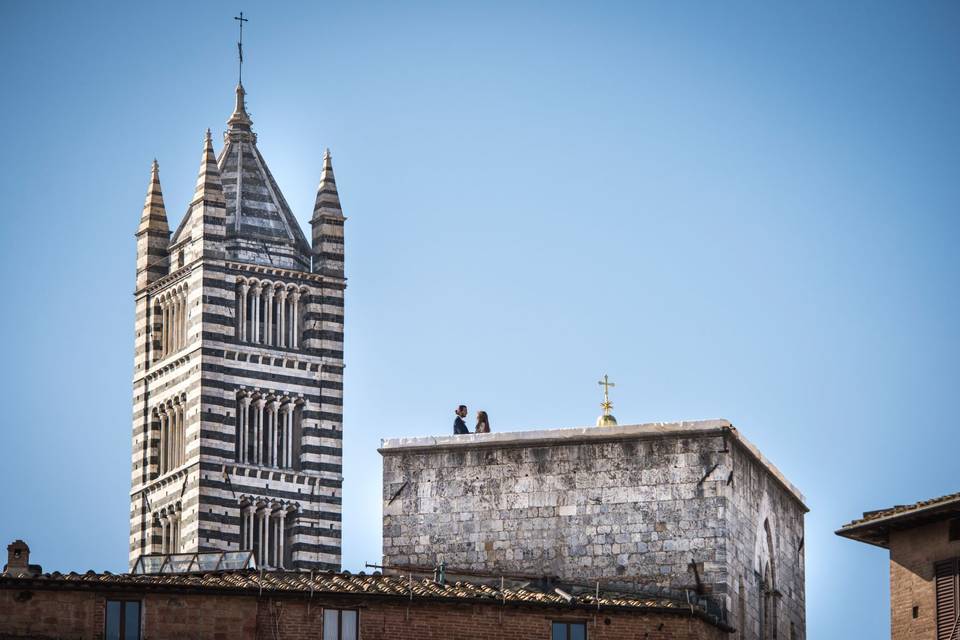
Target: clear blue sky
(738, 210)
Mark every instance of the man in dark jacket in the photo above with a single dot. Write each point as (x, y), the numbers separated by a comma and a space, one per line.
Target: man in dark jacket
(459, 426)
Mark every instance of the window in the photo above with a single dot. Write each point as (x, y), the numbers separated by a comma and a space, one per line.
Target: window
(270, 313)
(266, 528)
(954, 533)
(170, 320)
(339, 624)
(268, 430)
(122, 620)
(567, 631)
(169, 422)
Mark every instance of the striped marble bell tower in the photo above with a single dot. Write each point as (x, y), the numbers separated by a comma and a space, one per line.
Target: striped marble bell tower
(238, 368)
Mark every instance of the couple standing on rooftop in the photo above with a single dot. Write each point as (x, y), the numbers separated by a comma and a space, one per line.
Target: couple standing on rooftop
(460, 427)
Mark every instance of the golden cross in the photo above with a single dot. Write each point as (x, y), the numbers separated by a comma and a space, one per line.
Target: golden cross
(606, 384)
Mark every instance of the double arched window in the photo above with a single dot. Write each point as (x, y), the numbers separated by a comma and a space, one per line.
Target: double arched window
(270, 313)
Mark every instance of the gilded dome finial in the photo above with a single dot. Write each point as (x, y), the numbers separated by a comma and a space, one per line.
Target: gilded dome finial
(606, 419)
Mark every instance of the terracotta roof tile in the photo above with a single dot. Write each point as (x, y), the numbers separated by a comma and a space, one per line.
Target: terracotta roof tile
(346, 584)
(870, 516)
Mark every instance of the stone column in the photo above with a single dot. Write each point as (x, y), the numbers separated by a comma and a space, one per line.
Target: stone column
(175, 537)
(287, 434)
(175, 323)
(164, 535)
(268, 321)
(242, 415)
(265, 544)
(161, 463)
(242, 313)
(184, 311)
(281, 314)
(295, 318)
(256, 313)
(182, 429)
(280, 536)
(274, 432)
(164, 327)
(172, 439)
(258, 431)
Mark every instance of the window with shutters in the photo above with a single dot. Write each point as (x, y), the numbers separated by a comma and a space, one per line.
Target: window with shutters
(948, 599)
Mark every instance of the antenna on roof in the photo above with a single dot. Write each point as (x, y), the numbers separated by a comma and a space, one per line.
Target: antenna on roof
(241, 19)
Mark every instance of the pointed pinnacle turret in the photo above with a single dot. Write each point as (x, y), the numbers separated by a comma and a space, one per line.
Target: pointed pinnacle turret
(154, 217)
(209, 187)
(240, 119)
(327, 223)
(328, 200)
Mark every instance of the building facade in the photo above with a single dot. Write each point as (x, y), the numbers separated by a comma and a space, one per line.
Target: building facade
(924, 543)
(325, 606)
(238, 367)
(690, 507)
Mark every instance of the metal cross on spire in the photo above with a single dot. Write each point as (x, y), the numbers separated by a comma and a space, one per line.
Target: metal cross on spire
(606, 384)
(606, 419)
(240, 19)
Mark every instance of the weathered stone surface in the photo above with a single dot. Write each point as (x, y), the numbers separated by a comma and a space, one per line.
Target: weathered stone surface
(663, 505)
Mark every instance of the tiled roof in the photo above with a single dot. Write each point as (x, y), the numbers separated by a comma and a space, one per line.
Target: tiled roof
(870, 516)
(875, 526)
(343, 584)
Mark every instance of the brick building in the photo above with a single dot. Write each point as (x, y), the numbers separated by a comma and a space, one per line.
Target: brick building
(688, 507)
(238, 363)
(286, 605)
(924, 544)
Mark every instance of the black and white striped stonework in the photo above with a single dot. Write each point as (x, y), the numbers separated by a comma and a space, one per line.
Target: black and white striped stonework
(237, 313)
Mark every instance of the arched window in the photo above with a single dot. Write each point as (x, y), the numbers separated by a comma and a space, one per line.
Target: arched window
(269, 313)
(166, 525)
(268, 430)
(169, 418)
(169, 322)
(266, 528)
(768, 587)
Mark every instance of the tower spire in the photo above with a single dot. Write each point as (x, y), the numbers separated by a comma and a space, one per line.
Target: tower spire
(240, 119)
(327, 224)
(209, 186)
(153, 234)
(154, 217)
(328, 200)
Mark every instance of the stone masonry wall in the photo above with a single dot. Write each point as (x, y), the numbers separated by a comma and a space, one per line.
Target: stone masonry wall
(664, 506)
(765, 525)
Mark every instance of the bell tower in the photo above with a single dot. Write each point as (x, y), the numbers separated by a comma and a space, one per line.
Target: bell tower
(238, 366)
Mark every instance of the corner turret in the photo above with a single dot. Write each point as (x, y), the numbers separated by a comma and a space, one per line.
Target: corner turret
(153, 234)
(327, 223)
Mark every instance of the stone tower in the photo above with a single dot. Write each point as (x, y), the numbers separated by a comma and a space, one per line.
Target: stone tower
(238, 366)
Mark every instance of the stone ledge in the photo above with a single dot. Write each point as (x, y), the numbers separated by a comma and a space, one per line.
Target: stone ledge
(582, 435)
(570, 435)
